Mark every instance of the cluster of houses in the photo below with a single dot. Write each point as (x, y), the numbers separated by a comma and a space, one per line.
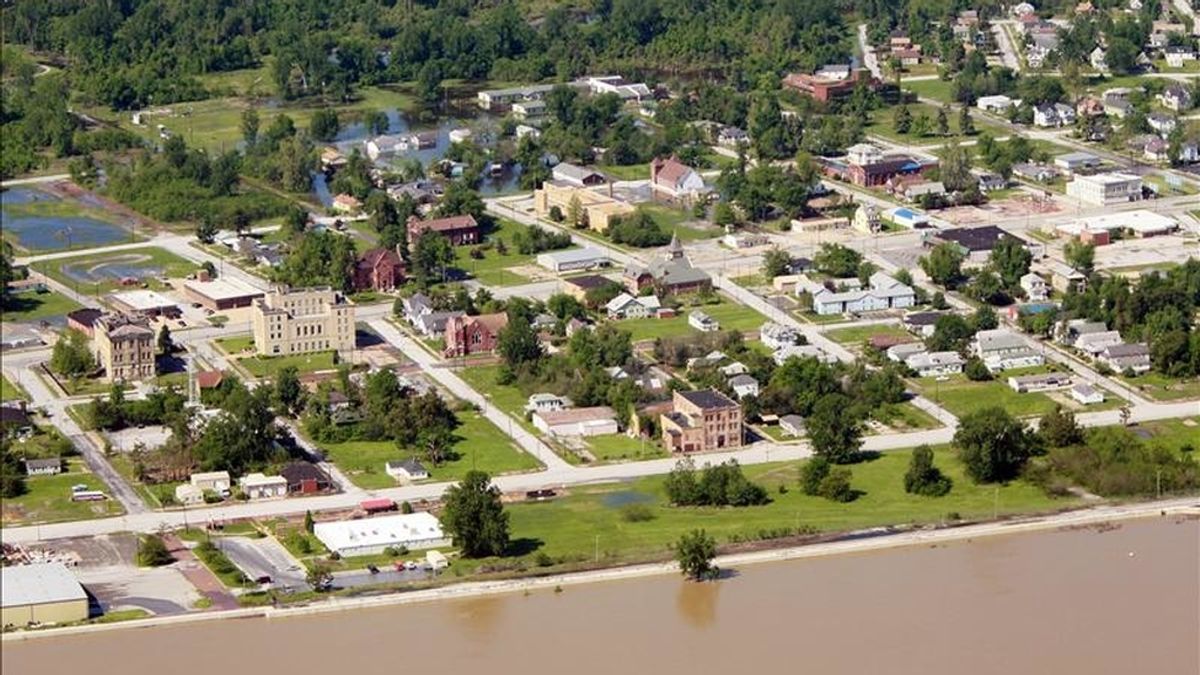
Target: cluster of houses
(1105, 346)
(295, 478)
(850, 296)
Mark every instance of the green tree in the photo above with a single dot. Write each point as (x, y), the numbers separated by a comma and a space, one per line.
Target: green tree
(319, 576)
(812, 473)
(152, 552)
(951, 333)
(1080, 256)
(902, 120)
(837, 260)
(430, 257)
(834, 434)
(1059, 428)
(955, 167)
(835, 486)
(1010, 259)
(695, 552)
(943, 122)
(976, 370)
(944, 265)
(165, 344)
(475, 516)
(308, 522)
(12, 477)
(966, 125)
(206, 231)
(250, 127)
(71, 356)
(993, 445)
(923, 478)
(986, 286)
(518, 344)
(324, 124)
(289, 393)
(776, 262)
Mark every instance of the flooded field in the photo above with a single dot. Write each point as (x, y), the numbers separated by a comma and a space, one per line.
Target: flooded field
(39, 220)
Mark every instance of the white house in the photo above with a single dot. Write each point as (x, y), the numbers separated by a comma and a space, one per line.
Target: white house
(626, 306)
(217, 481)
(675, 178)
(546, 401)
(386, 144)
(935, 364)
(1162, 124)
(867, 219)
(782, 354)
(258, 486)
(1095, 343)
(406, 470)
(459, 135)
(1121, 357)
(884, 292)
(900, 353)
(1035, 287)
(594, 421)
(188, 494)
(792, 425)
(1001, 349)
(910, 218)
(774, 335)
(994, 104)
(1039, 382)
(703, 322)
(743, 386)
(1086, 394)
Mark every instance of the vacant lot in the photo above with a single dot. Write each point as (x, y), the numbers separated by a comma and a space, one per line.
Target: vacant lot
(101, 273)
(48, 499)
(20, 307)
(729, 314)
(493, 268)
(857, 334)
(1163, 388)
(961, 396)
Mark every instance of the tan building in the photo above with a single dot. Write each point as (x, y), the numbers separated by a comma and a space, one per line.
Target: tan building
(597, 209)
(125, 347)
(44, 593)
(300, 321)
(702, 420)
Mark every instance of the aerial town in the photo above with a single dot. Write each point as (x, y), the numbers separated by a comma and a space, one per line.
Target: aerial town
(303, 308)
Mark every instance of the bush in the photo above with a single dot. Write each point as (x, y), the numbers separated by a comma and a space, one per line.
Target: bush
(152, 552)
(836, 486)
(637, 513)
(812, 473)
(976, 371)
(923, 478)
(405, 507)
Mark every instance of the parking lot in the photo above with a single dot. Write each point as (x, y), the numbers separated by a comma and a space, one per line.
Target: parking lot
(265, 557)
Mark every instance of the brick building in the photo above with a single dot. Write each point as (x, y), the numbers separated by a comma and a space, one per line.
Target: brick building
(474, 334)
(459, 230)
(125, 347)
(380, 269)
(700, 421)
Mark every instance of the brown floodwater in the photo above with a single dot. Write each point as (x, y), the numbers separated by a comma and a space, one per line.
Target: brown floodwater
(1123, 601)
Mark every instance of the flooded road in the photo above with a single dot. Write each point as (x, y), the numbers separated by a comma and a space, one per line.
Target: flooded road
(1125, 600)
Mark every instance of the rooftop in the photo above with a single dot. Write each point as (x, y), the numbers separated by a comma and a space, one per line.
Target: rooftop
(222, 289)
(143, 300)
(38, 584)
(576, 415)
(975, 238)
(707, 399)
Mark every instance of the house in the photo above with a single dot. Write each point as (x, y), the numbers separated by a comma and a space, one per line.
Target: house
(379, 269)
(792, 425)
(188, 494)
(703, 322)
(921, 324)
(1074, 161)
(593, 421)
(672, 272)
(386, 144)
(1098, 58)
(775, 336)
(406, 470)
(1118, 107)
(884, 292)
(1035, 287)
(14, 420)
(914, 191)
(1039, 382)
(743, 386)
(900, 353)
(495, 99)
(1038, 173)
(1053, 115)
(1094, 343)
(460, 135)
(1074, 329)
(866, 219)
(675, 178)
(213, 481)
(474, 334)
(1176, 97)
(1177, 55)
(1106, 189)
(995, 104)
(781, 355)
(545, 401)
(733, 369)
(1189, 152)
(524, 130)
(615, 84)
(990, 182)
(48, 466)
(1001, 349)
(1086, 394)
(910, 218)
(1121, 357)
(577, 176)
(572, 260)
(626, 306)
(345, 203)
(460, 230)
(305, 478)
(258, 486)
(732, 137)
(700, 421)
(935, 364)
(528, 109)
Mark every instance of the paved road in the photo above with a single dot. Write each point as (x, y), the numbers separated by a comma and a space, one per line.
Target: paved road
(1008, 51)
(869, 55)
(36, 179)
(264, 557)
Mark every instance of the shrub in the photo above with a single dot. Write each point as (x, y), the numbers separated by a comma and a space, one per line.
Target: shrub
(152, 552)
(976, 371)
(836, 485)
(636, 513)
(812, 473)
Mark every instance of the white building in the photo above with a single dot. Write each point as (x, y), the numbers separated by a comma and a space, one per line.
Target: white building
(259, 486)
(910, 218)
(615, 84)
(1002, 349)
(900, 353)
(935, 364)
(994, 104)
(1039, 382)
(782, 354)
(1035, 287)
(1106, 189)
(743, 386)
(1095, 343)
(187, 494)
(775, 336)
(1074, 161)
(406, 470)
(703, 322)
(626, 306)
(1121, 357)
(572, 260)
(864, 154)
(217, 481)
(387, 144)
(1086, 394)
(1141, 222)
(370, 536)
(594, 421)
(884, 292)
(545, 401)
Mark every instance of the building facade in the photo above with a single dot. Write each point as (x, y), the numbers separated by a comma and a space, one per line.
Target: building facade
(700, 421)
(1106, 189)
(125, 347)
(300, 321)
(474, 334)
(380, 269)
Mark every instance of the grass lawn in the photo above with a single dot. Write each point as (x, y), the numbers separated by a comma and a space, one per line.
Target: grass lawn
(481, 446)
(236, 345)
(630, 172)
(492, 269)
(1172, 433)
(267, 366)
(904, 416)
(87, 386)
(813, 317)
(569, 526)
(159, 494)
(506, 397)
(882, 124)
(1162, 388)
(856, 334)
(754, 280)
(1160, 183)
(619, 447)
(936, 89)
(729, 314)
(48, 499)
(10, 391)
(961, 396)
(681, 222)
(20, 307)
(100, 273)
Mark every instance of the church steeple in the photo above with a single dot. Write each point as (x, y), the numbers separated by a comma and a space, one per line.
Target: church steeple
(674, 249)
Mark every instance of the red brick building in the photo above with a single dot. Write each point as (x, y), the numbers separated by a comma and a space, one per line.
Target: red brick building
(380, 269)
(700, 421)
(824, 89)
(459, 230)
(474, 334)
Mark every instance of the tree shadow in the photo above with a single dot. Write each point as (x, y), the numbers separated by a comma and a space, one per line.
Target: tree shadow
(366, 338)
(169, 363)
(865, 456)
(523, 546)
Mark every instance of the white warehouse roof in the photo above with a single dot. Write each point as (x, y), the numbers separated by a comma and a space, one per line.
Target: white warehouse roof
(38, 584)
(1141, 221)
(411, 530)
(143, 300)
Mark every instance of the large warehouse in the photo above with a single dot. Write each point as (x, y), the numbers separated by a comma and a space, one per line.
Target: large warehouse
(221, 294)
(370, 536)
(40, 593)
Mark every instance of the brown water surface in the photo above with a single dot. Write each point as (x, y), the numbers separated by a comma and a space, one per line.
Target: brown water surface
(1085, 601)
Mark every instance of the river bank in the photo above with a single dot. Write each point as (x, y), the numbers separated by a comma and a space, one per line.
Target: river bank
(856, 543)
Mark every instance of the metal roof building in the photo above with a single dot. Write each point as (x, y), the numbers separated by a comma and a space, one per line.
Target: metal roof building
(40, 593)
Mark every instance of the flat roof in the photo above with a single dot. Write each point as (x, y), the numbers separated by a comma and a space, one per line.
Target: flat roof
(1109, 178)
(222, 289)
(1141, 220)
(574, 255)
(383, 531)
(38, 584)
(142, 300)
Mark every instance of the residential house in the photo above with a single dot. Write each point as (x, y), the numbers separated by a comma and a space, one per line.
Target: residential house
(703, 322)
(211, 481)
(900, 353)
(48, 466)
(187, 494)
(626, 306)
(387, 144)
(1162, 124)
(781, 355)
(1039, 382)
(379, 269)
(305, 478)
(1117, 106)
(1063, 277)
(1189, 151)
(460, 230)
(792, 425)
(866, 219)
(915, 191)
(1132, 357)
(1001, 349)
(990, 182)
(1070, 332)
(1178, 55)
(1094, 343)
(671, 273)
(546, 401)
(1038, 173)
(676, 178)
(406, 470)
(1099, 60)
(258, 486)
(474, 334)
(743, 386)
(884, 292)
(346, 203)
(998, 103)
(14, 420)
(526, 110)
(1053, 115)
(732, 137)
(615, 84)
(1035, 287)
(1086, 394)
(700, 421)
(732, 369)
(775, 336)
(1176, 97)
(921, 324)
(935, 364)
(593, 421)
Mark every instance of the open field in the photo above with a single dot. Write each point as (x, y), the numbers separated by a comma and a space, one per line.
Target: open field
(478, 447)
(32, 306)
(729, 314)
(629, 172)
(1171, 433)
(961, 396)
(883, 124)
(857, 334)
(1162, 388)
(905, 416)
(268, 366)
(101, 273)
(938, 89)
(681, 222)
(569, 526)
(48, 499)
(620, 448)
(493, 268)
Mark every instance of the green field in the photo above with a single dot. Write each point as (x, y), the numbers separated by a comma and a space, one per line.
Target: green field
(729, 314)
(34, 306)
(1172, 433)
(1162, 388)
(267, 366)
(236, 345)
(506, 397)
(569, 526)
(493, 268)
(48, 500)
(147, 257)
(621, 448)
(961, 396)
(938, 89)
(905, 416)
(857, 334)
(629, 172)
(882, 124)
(681, 222)
(10, 391)
(481, 446)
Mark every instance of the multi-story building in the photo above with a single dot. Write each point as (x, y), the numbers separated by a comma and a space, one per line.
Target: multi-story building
(304, 320)
(124, 346)
(474, 334)
(1106, 189)
(702, 420)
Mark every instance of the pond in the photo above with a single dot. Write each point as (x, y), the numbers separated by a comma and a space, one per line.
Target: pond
(37, 220)
(626, 497)
(113, 268)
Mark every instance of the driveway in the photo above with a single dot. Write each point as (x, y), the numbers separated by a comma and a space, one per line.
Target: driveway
(265, 557)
